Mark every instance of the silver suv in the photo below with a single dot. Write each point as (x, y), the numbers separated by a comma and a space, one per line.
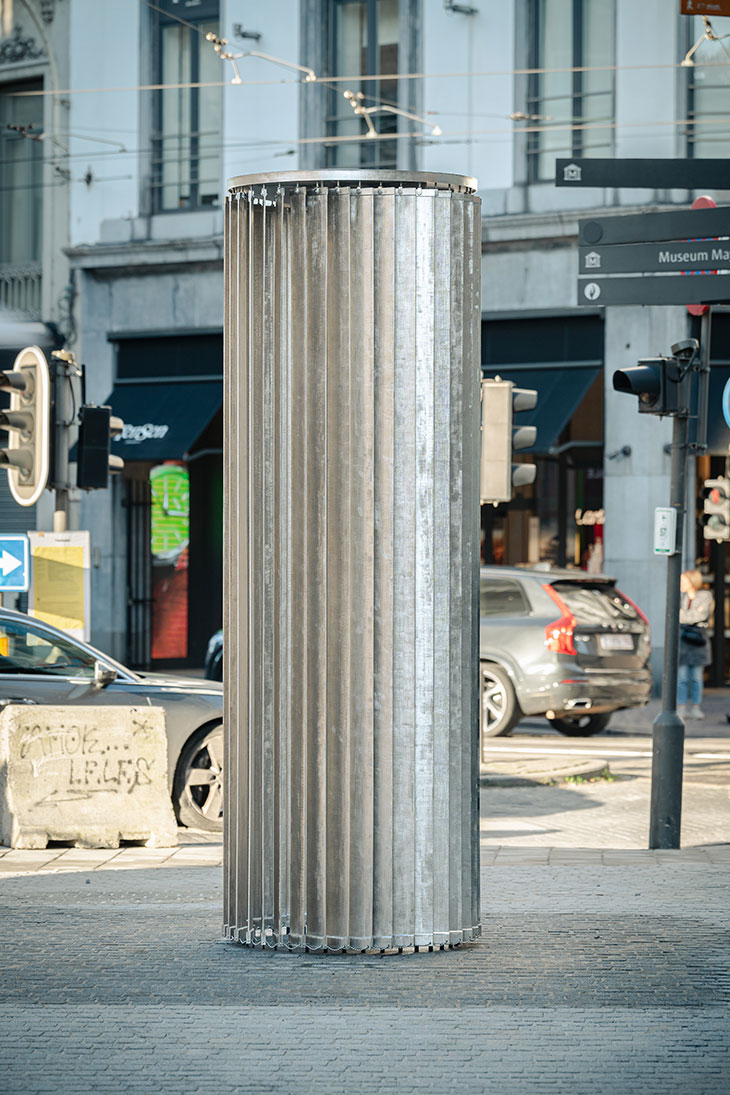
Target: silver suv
(559, 643)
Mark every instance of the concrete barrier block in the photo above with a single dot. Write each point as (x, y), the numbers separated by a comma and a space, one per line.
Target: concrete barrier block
(89, 775)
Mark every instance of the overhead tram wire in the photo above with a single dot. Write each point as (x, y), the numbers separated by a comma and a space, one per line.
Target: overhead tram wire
(359, 77)
(447, 137)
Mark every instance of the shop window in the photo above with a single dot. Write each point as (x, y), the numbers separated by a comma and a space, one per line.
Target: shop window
(559, 519)
(364, 42)
(186, 145)
(707, 91)
(169, 546)
(573, 97)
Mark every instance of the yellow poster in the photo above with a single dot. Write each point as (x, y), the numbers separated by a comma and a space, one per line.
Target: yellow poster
(59, 594)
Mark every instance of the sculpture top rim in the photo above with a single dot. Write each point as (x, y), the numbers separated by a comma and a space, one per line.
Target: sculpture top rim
(332, 177)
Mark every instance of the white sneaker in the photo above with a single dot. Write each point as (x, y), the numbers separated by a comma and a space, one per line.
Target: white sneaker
(696, 712)
(682, 710)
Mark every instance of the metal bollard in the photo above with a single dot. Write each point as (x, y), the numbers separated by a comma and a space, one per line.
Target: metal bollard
(351, 560)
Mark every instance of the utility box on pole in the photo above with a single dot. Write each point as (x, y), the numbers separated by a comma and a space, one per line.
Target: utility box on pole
(351, 580)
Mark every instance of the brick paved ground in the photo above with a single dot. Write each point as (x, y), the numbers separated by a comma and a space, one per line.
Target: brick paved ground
(597, 815)
(605, 969)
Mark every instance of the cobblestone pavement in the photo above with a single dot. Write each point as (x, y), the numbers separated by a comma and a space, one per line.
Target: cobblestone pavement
(602, 968)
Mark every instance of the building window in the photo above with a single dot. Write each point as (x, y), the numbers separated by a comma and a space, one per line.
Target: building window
(708, 90)
(187, 119)
(21, 206)
(576, 108)
(364, 42)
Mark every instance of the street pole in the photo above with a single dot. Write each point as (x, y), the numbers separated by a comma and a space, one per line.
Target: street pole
(668, 741)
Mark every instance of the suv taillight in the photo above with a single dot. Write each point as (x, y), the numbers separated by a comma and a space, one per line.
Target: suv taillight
(559, 633)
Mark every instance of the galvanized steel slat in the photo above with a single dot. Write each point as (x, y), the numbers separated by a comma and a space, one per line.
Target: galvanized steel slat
(351, 563)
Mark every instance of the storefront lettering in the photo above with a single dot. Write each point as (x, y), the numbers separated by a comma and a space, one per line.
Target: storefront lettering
(148, 432)
(590, 517)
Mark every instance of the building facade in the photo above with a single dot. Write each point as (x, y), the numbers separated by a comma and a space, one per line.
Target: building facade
(144, 120)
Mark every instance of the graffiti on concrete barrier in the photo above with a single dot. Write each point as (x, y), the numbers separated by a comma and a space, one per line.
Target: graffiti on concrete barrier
(82, 761)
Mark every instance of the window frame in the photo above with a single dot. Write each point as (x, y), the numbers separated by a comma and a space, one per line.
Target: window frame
(534, 101)
(369, 150)
(691, 33)
(30, 625)
(493, 579)
(36, 160)
(161, 20)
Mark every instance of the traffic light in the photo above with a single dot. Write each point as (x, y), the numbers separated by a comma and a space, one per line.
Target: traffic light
(657, 381)
(27, 422)
(717, 509)
(501, 400)
(94, 463)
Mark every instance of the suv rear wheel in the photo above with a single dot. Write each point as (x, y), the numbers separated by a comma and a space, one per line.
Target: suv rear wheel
(582, 725)
(498, 707)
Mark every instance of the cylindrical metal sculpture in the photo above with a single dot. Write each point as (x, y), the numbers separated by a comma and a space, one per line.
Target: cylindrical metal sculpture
(351, 560)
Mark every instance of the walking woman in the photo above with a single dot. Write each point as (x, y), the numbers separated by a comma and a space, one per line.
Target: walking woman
(695, 611)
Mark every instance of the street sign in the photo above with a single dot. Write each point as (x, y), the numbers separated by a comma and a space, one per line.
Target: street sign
(661, 174)
(14, 564)
(60, 593)
(660, 289)
(726, 403)
(655, 258)
(683, 224)
(705, 7)
(665, 530)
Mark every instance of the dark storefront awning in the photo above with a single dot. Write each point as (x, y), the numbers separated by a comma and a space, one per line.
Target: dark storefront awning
(162, 421)
(561, 389)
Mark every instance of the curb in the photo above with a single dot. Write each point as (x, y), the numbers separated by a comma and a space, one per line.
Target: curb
(528, 773)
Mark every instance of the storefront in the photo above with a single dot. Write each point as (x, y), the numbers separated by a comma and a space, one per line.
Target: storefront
(560, 518)
(168, 392)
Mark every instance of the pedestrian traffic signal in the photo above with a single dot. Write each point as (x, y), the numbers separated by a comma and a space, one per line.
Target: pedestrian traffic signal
(501, 400)
(717, 509)
(27, 422)
(94, 462)
(657, 383)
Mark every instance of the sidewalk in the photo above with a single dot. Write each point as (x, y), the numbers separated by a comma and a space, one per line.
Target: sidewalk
(516, 760)
(598, 971)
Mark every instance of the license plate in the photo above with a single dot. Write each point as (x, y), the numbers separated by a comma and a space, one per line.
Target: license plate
(616, 642)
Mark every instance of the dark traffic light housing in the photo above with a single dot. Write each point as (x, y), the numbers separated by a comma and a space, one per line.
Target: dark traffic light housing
(657, 382)
(94, 463)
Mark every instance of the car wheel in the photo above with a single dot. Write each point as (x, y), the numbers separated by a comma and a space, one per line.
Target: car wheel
(582, 725)
(198, 786)
(214, 668)
(498, 708)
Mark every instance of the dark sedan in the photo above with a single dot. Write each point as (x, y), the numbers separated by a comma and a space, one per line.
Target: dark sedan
(40, 664)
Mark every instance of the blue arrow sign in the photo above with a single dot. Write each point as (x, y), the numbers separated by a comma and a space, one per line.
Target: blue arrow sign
(726, 402)
(14, 564)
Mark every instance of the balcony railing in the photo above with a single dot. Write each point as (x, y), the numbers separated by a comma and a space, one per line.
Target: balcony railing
(20, 290)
